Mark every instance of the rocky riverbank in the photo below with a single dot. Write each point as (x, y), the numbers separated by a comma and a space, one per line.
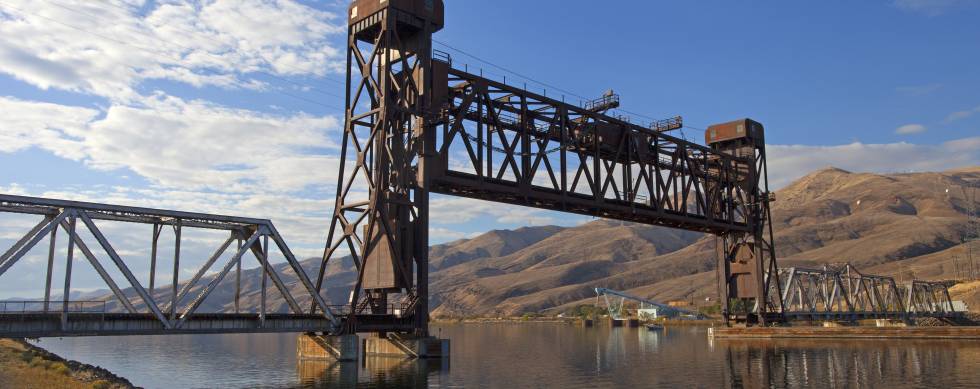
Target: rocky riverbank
(23, 365)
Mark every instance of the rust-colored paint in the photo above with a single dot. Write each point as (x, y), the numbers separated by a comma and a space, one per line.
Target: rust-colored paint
(434, 10)
(748, 129)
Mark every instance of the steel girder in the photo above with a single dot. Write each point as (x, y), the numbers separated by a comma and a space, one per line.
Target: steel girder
(502, 143)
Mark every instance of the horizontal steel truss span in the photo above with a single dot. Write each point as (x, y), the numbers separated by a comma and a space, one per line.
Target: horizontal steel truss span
(846, 294)
(40, 325)
(501, 143)
(141, 312)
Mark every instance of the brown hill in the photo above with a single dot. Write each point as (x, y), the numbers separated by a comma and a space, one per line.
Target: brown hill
(904, 225)
(897, 224)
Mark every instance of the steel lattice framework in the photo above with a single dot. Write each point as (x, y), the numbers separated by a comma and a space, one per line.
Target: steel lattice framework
(141, 312)
(845, 294)
(416, 125)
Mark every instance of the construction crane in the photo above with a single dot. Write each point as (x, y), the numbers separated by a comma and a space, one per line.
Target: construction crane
(615, 307)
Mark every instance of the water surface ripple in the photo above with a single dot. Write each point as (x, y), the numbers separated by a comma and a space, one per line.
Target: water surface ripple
(539, 355)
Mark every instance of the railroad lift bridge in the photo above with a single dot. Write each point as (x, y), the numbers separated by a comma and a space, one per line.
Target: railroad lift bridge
(416, 125)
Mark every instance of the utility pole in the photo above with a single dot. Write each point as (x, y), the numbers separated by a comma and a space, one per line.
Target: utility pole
(974, 227)
(973, 230)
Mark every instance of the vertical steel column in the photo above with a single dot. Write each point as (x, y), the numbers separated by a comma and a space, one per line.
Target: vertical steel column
(265, 276)
(71, 257)
(47, 281)
(157, 228)
(238, 276)
(176, 274)
(264, 260)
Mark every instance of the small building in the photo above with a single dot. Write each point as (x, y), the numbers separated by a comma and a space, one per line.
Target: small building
(647, 313)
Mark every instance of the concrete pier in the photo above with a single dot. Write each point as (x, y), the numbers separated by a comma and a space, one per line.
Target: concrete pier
(396, 345)
(319, 347)
(632, 323)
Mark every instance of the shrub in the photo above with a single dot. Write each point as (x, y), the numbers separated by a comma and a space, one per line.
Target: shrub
(60, 368)
(101, 384)
(26, 356)
(39, 362)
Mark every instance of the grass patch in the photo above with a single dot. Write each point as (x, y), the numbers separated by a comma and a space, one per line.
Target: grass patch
(21, 367)
(39, 362)
(59, 368)
(101, 384)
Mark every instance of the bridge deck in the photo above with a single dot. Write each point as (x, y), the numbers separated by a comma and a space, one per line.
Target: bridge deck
(38, 325)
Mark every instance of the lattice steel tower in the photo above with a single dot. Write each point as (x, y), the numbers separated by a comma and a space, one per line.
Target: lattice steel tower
(381, 213)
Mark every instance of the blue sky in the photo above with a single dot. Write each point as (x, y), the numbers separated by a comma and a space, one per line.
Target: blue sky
(234, 107)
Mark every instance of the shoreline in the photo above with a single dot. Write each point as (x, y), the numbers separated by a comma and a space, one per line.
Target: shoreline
(23, 364)
(568, 321)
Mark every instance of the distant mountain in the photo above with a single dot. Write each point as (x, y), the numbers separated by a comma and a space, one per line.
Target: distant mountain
(903, 225)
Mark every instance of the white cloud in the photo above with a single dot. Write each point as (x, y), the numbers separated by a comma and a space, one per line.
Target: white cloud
(182, 144)
(107, 49)
(27, 123)
(789, 162)
(932, 7)
(910, 129)
(459, 210)
(960, 115)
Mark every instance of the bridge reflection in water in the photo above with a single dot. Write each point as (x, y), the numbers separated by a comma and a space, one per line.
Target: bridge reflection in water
(540, 355)
(374, 371)
(845, 364)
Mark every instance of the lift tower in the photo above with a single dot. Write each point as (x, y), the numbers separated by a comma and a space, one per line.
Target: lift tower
(381, 213)
(748, 281)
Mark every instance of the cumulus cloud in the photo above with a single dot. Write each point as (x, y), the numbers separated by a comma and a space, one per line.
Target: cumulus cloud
(458, 210)
(789, 162)
(181, 144)
(108, 48)
(910, 129)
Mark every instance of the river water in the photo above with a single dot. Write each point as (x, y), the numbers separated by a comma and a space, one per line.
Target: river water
(539, 355)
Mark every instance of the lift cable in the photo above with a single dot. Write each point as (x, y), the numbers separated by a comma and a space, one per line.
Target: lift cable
(543, 84)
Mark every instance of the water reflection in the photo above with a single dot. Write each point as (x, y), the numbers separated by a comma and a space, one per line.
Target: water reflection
(540, 355)
(853, 363)
(373, 372)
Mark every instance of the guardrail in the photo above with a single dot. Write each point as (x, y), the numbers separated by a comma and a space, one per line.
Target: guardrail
(34, 307)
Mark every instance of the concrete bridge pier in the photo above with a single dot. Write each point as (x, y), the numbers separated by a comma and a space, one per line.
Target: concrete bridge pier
(400, 345)
(325, 347)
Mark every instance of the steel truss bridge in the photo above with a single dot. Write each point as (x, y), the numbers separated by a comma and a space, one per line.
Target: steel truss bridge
(415, 124)
(843, 293)
(141, 306)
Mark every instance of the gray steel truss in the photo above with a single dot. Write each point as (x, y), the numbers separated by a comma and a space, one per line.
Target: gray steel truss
(845, 294)
(141, 313)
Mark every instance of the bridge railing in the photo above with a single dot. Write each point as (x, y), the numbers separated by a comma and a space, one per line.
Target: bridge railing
(35, 307)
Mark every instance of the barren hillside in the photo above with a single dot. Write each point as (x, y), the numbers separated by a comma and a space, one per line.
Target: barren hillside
(906, 225)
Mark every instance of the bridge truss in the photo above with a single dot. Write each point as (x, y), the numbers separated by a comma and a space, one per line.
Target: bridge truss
(171, 309)
(845, 294)
(416, 125)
